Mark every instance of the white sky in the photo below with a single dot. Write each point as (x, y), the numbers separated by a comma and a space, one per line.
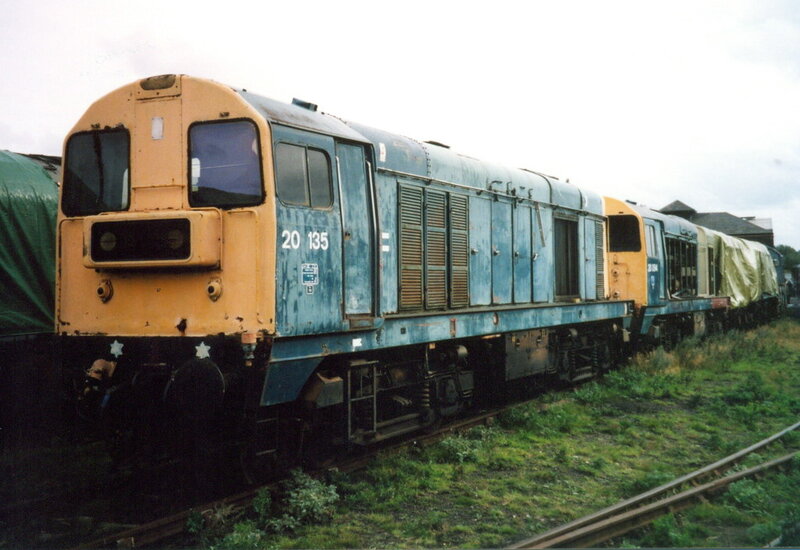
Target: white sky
(651, 101)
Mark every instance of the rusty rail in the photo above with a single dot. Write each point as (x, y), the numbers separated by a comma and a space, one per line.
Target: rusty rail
(621, 517)
(171, 526)
(594, 533)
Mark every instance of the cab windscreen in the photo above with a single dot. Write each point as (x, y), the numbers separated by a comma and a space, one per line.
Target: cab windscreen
(623, 233)
(225, 164)
(96, 172)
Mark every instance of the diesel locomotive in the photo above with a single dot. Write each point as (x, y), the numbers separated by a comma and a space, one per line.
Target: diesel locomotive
(686, 279)
(230, 264)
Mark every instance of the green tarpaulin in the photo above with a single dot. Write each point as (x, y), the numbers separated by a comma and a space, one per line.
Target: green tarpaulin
(28, 204)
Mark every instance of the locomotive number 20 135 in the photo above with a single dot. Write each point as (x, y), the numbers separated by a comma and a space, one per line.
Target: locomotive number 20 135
(317, 240)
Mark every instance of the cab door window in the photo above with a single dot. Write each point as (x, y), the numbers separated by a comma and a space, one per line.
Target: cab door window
(655, 262)
(303, 176)
(652, 242)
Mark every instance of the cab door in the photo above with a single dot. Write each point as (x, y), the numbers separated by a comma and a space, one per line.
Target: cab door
(309, 247)
(654, 233)
(358, 255)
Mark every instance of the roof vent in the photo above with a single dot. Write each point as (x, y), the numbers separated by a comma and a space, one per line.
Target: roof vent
(438, 144)
(160, 82)
(304, 104)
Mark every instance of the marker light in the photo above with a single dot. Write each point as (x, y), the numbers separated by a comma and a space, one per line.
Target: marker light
(108, 241)
(175, 239)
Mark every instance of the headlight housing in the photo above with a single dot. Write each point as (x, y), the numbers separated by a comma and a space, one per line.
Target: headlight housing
(153, 240)
(141, 240)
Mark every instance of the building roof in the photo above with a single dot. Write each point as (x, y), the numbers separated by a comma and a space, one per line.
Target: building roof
(728, 223)
(677, 206)
(766, 223)
(758, 229)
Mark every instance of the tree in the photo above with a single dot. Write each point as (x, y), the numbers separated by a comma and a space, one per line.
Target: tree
(791, 257)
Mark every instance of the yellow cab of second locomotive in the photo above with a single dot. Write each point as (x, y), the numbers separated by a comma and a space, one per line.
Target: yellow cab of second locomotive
(157, 160)
(628, 265)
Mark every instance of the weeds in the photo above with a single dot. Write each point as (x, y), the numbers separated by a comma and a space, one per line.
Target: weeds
(213, 526)
(665, 532)
(637, 383)
(649, 480)
(761, 532)
(556, 419)
(304, 500)
(752, 400)
(748, 495)
(262, 506)
(751, 390)
(458, 449)
(592, 393)
(569, 453)
(790, 528)
(245, 536)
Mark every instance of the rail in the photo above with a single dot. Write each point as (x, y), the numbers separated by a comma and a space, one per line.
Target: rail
(633, 513)
(172, 526)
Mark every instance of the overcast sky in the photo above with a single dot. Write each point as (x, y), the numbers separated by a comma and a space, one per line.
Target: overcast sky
(694, 100)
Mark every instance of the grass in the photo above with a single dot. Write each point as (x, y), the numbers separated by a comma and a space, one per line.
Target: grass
(752, 512)
(569, 453)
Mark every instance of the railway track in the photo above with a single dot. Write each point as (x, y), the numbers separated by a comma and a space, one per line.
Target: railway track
(173, 525)
(642, 509)
(42, 504)
(587, 531)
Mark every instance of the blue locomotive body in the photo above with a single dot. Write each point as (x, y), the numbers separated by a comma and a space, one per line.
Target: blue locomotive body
(417, 245)
(669, 297)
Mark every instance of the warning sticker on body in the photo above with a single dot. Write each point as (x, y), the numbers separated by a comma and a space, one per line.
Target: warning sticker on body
(309, 276)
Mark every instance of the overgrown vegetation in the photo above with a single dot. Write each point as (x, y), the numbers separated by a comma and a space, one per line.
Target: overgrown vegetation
(569, 453)
(302, 500)
(751, 513)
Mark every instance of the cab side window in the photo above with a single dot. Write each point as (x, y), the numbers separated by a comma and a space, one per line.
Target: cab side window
(652, 242)
(303, 176)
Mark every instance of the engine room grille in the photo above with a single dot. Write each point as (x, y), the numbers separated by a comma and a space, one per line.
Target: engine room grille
(434, 249)
(459, 251)
(410, 215)
(599, 254)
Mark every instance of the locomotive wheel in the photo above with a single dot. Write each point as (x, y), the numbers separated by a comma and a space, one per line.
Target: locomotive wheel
(606, 358)
(272, 447)
(195, 390)
(194, 396)
(258, 465)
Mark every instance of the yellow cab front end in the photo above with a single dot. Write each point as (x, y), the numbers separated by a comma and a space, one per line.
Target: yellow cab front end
(627, 255)
(166, 234)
